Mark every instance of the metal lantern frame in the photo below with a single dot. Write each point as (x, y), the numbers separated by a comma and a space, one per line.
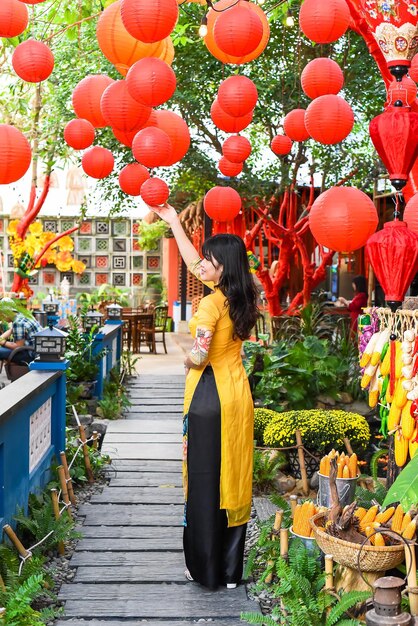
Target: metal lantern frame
(50, 344)
(114, 311)
(92, 320)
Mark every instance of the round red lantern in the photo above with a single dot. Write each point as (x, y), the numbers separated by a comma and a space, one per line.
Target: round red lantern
(97, 162)
(329, 119)
(343, 218)
(86, 98)
(14, 18)
(32, 1)
(15, 154)
(151, 147)
(324, 22)
(294, 125)
(132, 177)
(413, 69)
(120, 110)
(281, 145)
(320, 77)
(151, 82)
(229, 169)
(79, 134)
(238, 31)
(125, 138)
(410, 215)
(229, 123)
(236, 149)
(404, 91)
(237, 95)
(155, 191)
(222, 203)
(149, 20)
(176, 129)
(33, 61)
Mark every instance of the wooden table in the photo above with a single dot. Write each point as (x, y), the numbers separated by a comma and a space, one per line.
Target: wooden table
(133, 321)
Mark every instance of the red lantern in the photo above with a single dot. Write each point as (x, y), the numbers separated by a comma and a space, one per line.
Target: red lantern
(329, 119)
(222, 203)
(176, 129)
(15, 154)
(132, 177)
(125, 138)
(238, 31)
(413, 70)
(342, 219)
(86, 98)
(394, 134)
(149, 20)
(32, 1)
(294, 125)
(393, 254)
(410, 215)
(120, 110)
(155, 191)
(229, 123)
(33, 61)
(79, 134)
(14, 18)
(320, 77)
(281, 145)
(236, 149)
(151, 82)
(229, 169)
(151, 147)
(404, 91)
(97, 162)
(324, 22)
(237, 95)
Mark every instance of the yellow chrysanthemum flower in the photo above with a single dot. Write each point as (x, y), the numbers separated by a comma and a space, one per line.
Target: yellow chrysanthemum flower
(66, 244)
(78, 266)
(12, 227)
(36, 228)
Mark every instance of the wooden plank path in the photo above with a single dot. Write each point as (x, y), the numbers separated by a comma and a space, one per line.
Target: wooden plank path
(129, 563)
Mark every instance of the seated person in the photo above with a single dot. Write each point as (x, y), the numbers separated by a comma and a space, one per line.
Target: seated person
(21, 333)
(359, 301)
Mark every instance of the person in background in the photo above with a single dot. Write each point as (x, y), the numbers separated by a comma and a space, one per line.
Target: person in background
(21, 333)
(358, 302)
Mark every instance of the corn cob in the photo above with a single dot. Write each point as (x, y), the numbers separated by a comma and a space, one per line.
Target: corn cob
(389, 395)
(323, 466)
(301, 518)
(413, 445)
(409, 530)
(369, 372)
(378, 540)
(369, 517)
(340, 468)
(369, 534)
(385, 515)
(353, 466)
(407, 421)
(398, 361)
(380, 344)
(397, 519)
(400, 398)
(401, 449)
(367, 354)
(394, 416)
(406, 520)
(346, 472)
(360, 512)
(385, 365)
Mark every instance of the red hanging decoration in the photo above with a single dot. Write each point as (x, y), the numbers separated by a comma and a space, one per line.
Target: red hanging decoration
(329, 119)
(324, 22)
(410, 215)
(120, 110)
(97, 162)
(149, 20)
(33, 61)
(222, 203)
(413, 70)
(86, 98)
(125, 138)
(151, 147)
(294, 125)
(176, 129)
(14, 18)
(15, 154)
(79, 134)
(320, 77)
(151, 82)
(404, 91)
(236, 149)
(132, 177)
(229, 169)
(237, 95)
(155, 191)
(238, 31)
(281, 145)
(229, 123)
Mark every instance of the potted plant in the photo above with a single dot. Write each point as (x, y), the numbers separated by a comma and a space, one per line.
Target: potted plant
(84, 362)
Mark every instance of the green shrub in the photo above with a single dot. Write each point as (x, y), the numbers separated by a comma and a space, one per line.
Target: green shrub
(267, 464)
(262, 417)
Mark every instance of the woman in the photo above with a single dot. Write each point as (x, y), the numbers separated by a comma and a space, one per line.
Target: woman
(359, 301)
(218, 410)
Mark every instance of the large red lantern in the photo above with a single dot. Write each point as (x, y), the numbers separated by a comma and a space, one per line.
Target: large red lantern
(155, 191)
(393, 254)
(329, 119)
(33, 61)
(151, 81)
(151, 147)
(324, 22)
(79, 134)
(320, 77)
(394, 134)
(14, 18)
(97, 162)
(229, 123)
(176, 129)
(125, 138)
(32, 1)
(403, 91)
(236, 149)
(342, 219)
(15, 154)
(294, 125)
(227, 168)
(222, 203)
(86, 98)
(413, 70)
(238, 31)
(149, 20)
(237, 95)
(410, 215)
(132, 177)
(120, 110)
(281, 145)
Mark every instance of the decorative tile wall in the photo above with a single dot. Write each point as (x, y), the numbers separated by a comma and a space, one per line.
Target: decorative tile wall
(119, 280)
(119, 228)
(102, 244)
(86, 228)
(68, 275)
(119, 262)
(50, 226)
(153, 263)
(84, 278)
(102, 228)
(102, 262)
(84, 244)
(137, 279)
(119, 245)
(101, 279)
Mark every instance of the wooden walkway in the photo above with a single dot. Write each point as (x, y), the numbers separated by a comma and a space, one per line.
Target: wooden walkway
(129, 564)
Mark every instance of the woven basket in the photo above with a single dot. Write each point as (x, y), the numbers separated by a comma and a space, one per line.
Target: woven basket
(372, 558)
(311, 463)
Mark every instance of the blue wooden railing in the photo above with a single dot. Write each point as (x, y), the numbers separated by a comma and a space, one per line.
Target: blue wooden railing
(109, 339)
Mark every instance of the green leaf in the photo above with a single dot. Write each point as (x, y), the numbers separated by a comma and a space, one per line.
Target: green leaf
(405, 487)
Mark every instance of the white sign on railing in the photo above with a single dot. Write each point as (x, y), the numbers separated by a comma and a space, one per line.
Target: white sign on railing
(40, 434)
(114, 351)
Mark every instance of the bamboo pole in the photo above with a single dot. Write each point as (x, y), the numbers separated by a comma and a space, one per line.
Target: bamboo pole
(15, 541)
(293, 505)
(329, 572)
(68, 478)
(284, 543)
(95, 439)
(2, 585)
(411, 568)
(301, 456)
(65, 497)
(83, 438)
(56, 509)
(276, 528)
(347, 444)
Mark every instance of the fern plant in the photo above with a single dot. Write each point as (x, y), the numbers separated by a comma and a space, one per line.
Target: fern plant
(266, 467)
(17, 603)
(364, 497)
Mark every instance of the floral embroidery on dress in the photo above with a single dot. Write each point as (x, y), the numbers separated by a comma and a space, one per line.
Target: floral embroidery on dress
(185, 482)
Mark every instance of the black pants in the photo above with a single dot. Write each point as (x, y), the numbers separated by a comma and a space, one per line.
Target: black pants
(214, 553)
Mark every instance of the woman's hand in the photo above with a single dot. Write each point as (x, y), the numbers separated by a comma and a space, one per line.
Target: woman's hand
(166, 212)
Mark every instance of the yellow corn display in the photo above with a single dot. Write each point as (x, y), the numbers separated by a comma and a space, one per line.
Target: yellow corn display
(302, 515)
(397, 519)
(409, 531)
(398, 361)
(406, 520)
(389, 396)
(407, 421)
(369, 533)
(401, 449)
(369, 517)
(360, 512)
(394, 416)
(378, 540)
(347, 466)
(400, 398)
(385, 365)
(353, 465)
(413, 445)
(384, 516)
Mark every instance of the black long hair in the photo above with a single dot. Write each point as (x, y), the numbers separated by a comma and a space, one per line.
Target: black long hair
(361, 284)
(236, 282)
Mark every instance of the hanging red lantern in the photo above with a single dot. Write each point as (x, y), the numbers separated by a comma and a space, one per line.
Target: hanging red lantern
(413, 70)
(237, 95)
(149, 20)
(120, 110)
(294, 125)
(394, 134)
(125, 138)
(79, 134)
(342, 219)
(15, 154)
(410, 215)
(155, 191)
(320, 77)
(97, 162)
(151, 147)
(151, 82)
(404, 91)
(222, 203)
(176, 129)
(33, 61)
(329, 119)
(238, 31)
(86, 98)
(229, 123)
(227, 168)
(236, 149)
(393, 254)
(281, 145)
(14, 18)
(132, 177)
(324, 22)
(32, 1)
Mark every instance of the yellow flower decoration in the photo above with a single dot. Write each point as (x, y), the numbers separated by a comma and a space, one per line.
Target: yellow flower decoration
(66, 244)
(12, 227)
(36, 228)
(78, 266)
(45, 237)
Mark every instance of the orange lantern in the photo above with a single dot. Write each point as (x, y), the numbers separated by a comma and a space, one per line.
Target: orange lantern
(413, 70)
(236, 149)
(320, 77)
(97, 162)
(155, 191)
(238, 31)
(176, 129)
(222, 203)
(281, 145)
(79, 134)
(120, 110)
(329, 119)
(294, 125)
(324, 22)
(126, 138)
(229, 169)
(132, 177)
(343, 218)
(151, 82)
(149, 20)
(14, 18)
(404, 91)
(15, 154)
(237, 95)
(410, 215)
(229, 123)
(33, 61)
(151, 147)
(86, 98)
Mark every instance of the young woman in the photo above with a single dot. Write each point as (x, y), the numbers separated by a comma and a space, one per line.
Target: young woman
(218, 410)
(358, 302)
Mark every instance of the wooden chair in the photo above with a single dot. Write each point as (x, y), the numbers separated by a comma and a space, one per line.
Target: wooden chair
(15, 370)
(160, 323)
(145, 332)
